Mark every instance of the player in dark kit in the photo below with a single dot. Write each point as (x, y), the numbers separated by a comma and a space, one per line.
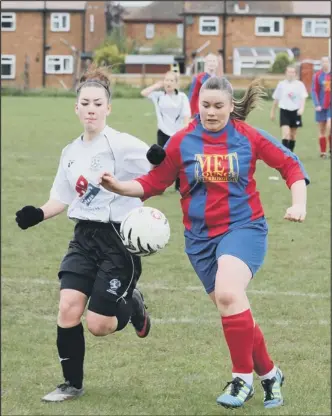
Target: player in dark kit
(225, 228)
(97, 268)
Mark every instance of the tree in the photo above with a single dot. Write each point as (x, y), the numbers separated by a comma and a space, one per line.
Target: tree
(281, 63)
(114, 15)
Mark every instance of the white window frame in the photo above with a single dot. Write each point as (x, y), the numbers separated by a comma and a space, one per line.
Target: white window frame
(92, 23)
(57, 18)
(11, 58)
(8, 17)
(149, 30)
(60, 60)
(202, 23)
(179, 30)
(314, 22)
(261, 21)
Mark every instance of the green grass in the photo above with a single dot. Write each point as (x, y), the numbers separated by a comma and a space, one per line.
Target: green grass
(183, 365)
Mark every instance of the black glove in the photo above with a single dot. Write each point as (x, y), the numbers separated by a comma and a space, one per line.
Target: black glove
(156, 154)
(29, 216)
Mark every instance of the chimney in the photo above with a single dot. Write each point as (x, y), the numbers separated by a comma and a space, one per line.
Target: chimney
(242, 4)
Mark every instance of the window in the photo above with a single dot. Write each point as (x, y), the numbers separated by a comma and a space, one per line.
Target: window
(269, 26)
(59, 64)
(92, 23)
(209, 25)
(8, 22)
(60, 22)
(317, 28)
(179, 30)
(8, 66)
(149, 31)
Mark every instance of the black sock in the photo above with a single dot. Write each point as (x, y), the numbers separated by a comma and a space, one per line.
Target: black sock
(285, 142)
(292, 145)
(71, 349)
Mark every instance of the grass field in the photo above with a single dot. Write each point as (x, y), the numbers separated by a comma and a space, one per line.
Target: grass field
(183, 365)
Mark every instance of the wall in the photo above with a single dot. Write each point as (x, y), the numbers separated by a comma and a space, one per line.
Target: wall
(136, 31)
(241, 32)
(27, 39)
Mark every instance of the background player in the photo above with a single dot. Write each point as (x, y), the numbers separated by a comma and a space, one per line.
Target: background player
(172, 108)
(321, 96)
(212, 67)
(289, 96)
(97, 266)
(225, 227)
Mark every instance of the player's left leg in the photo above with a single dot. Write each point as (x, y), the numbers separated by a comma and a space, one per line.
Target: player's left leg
(240, 254)
(116, 281)
(292, 140)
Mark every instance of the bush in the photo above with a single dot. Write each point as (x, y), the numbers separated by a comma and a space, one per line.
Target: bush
(280, 64)
(165, 46)
(109, 55)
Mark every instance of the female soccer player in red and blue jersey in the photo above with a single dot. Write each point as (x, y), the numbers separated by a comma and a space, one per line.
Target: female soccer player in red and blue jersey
(321, 96)
(212, 67)
(225, 228)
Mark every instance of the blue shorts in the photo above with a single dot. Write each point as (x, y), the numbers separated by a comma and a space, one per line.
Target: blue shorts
(248, 243)
(323, 115)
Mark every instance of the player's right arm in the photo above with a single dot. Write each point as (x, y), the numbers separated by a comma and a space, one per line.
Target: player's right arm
(315, 92)
(276, 97)
(61, 195)
(193, 95)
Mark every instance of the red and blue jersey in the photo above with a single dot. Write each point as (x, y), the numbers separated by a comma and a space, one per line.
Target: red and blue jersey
(321, 89)
(195, 87)
(216, 172)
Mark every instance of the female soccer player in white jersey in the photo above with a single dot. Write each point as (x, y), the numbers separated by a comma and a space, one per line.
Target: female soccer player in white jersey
(290, 96)
(97, 266)
(172, 108)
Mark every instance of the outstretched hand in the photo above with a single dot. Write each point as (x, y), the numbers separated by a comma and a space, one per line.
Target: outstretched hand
(295, 213)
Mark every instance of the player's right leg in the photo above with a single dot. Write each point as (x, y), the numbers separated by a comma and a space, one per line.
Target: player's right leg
(76, 276)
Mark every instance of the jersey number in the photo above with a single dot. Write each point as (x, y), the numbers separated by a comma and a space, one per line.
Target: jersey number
(81, 185)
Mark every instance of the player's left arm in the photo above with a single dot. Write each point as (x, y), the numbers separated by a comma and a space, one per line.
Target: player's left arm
(275, 155)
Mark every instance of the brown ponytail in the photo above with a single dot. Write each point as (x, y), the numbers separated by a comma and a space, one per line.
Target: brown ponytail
(242, 107)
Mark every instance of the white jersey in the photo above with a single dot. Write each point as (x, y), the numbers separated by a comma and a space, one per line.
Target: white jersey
(171, 110)
(290, 94)
(81, 163)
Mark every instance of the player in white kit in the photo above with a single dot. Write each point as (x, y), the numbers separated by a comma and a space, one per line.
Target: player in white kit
(97, 267)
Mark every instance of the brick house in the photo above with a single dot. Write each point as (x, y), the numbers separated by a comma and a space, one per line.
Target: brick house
(250, 32)
(160, 19)
(43, 42)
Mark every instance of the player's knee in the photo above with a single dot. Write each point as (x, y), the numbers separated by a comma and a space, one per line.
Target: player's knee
(225, 298)
(101, 326)
(71, 309)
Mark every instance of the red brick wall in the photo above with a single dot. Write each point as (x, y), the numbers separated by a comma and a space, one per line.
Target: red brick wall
(26, 39)
(136, 31)
(95, 38)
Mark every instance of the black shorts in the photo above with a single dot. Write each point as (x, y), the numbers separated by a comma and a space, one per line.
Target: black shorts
(162, 138)
(98, 265)
(290, 118)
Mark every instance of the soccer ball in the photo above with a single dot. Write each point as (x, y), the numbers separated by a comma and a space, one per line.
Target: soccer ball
(145, 231)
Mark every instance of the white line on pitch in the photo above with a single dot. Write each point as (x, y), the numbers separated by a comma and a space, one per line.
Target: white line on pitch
(157, 286)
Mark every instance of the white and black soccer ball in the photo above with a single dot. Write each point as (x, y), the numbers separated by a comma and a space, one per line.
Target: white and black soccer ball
(145, 231)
